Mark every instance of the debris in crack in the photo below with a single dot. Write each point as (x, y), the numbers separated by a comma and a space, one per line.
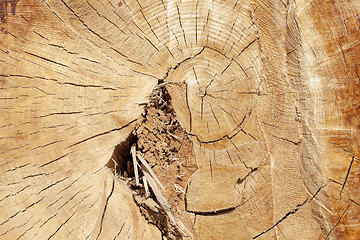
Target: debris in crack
(160, 136)
(158, 148)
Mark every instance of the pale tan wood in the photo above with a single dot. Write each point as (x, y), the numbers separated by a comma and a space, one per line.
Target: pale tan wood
(56, 90)
(268, 92)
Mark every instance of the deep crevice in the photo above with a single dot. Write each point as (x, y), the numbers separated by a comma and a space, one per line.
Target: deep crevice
(120, 160)
(163, 143)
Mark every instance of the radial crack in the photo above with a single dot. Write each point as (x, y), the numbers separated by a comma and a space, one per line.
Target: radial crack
(237, 129)
(299, 206)
(347, 175)
(342, 215)
(105, 207)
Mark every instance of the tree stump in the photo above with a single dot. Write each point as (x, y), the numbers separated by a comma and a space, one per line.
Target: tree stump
(246, 113)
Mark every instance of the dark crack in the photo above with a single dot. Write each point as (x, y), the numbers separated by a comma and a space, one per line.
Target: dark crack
(178, 65)
(293, 211)
(104, 133)
(241, 180)
(342, 215)
(287, 140)
(347, 175)
(227, 136)
(105, 207)
(214, 213)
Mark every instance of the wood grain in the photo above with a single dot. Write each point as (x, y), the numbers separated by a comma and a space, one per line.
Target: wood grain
(268, 92)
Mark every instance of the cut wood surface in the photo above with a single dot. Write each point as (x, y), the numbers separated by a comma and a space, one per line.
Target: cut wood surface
(247, 112)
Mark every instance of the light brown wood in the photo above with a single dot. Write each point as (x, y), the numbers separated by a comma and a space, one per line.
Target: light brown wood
(252, 126)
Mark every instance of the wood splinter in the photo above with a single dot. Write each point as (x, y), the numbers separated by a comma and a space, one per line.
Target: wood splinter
(150, 171)
(163, 202)
(147, 192)
(136, 172)
(150, 179)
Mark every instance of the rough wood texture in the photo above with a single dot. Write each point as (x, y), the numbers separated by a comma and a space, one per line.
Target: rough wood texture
(267, 91)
